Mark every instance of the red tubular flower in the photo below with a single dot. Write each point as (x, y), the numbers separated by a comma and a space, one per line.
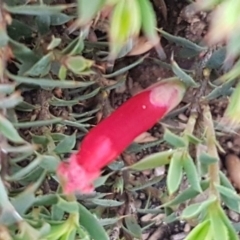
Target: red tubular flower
(114, 134)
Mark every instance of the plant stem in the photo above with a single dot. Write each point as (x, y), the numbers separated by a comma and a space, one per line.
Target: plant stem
(213, 169)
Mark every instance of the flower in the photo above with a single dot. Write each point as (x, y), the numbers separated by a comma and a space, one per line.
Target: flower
(113, 135)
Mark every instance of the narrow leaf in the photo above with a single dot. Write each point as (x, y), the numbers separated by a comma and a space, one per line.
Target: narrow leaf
(8, 130)
(191, 172)
(175, 173)
(153, 161)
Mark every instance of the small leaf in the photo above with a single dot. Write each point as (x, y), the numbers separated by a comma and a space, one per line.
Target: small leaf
(217, 59)
(55, 42)
(91, 224)
(187, 79)
(125, 24)
(106, 202)
(173, 139)
(49, 163)
(109, 221)
(69, 207)
(101, 180)
(11, 101)
(192, 211)
(133, 227)
(43, 82)
(7, 129)
(23, 172)
(231, 203)
(41, 67)
(46, 200)
(229, 193)
(37, 123)
(60, 19)
(36, 9)
(225, 182)
(149, 24)
(87, 10)
(219, 230)
(77, 64)
(148, 183)
(192, 139)
(206, 159)
(153, 161)
(175, 173)
(124, 69)
(200, 232)
(66, 145)
(232, 235)
(191, 172)
(182, 42)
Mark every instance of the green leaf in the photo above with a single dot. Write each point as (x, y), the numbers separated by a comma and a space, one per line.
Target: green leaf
(11, 101)
(7, 88)
(77, 64)
(18, 30)
(229, 193)
(191, 172)
(222, 90)
(66, 145)
(187, 79)
(153, 161)
(44, 82)
(37, 123)
(23, 172)
(224, 181)
(49, 163)
(88, 9)
(133, 227)
(60, 19)
(232, 235)
(109, 221)
(55, 42)
(43, 23)
(231, 203)
(62, 103)
(148, 183)
(124, 69)
(106, 202)
(217, 59)
(173, 139)
(187, 194)
(69, 207)
(192, 139)
(3, 38)
(206, 159)
(91, 224)
(8, 130)
(175, 172)
(192, 211)
(23, 53)
(182, 42)
(25, 200)
(36, 9)
(41, 67)
(200, 232)
(124, 25)
(149, 24)
(46, 200)
(219, 229)
(101, 180)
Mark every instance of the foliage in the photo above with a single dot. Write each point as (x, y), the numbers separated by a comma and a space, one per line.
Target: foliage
(52, 70)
